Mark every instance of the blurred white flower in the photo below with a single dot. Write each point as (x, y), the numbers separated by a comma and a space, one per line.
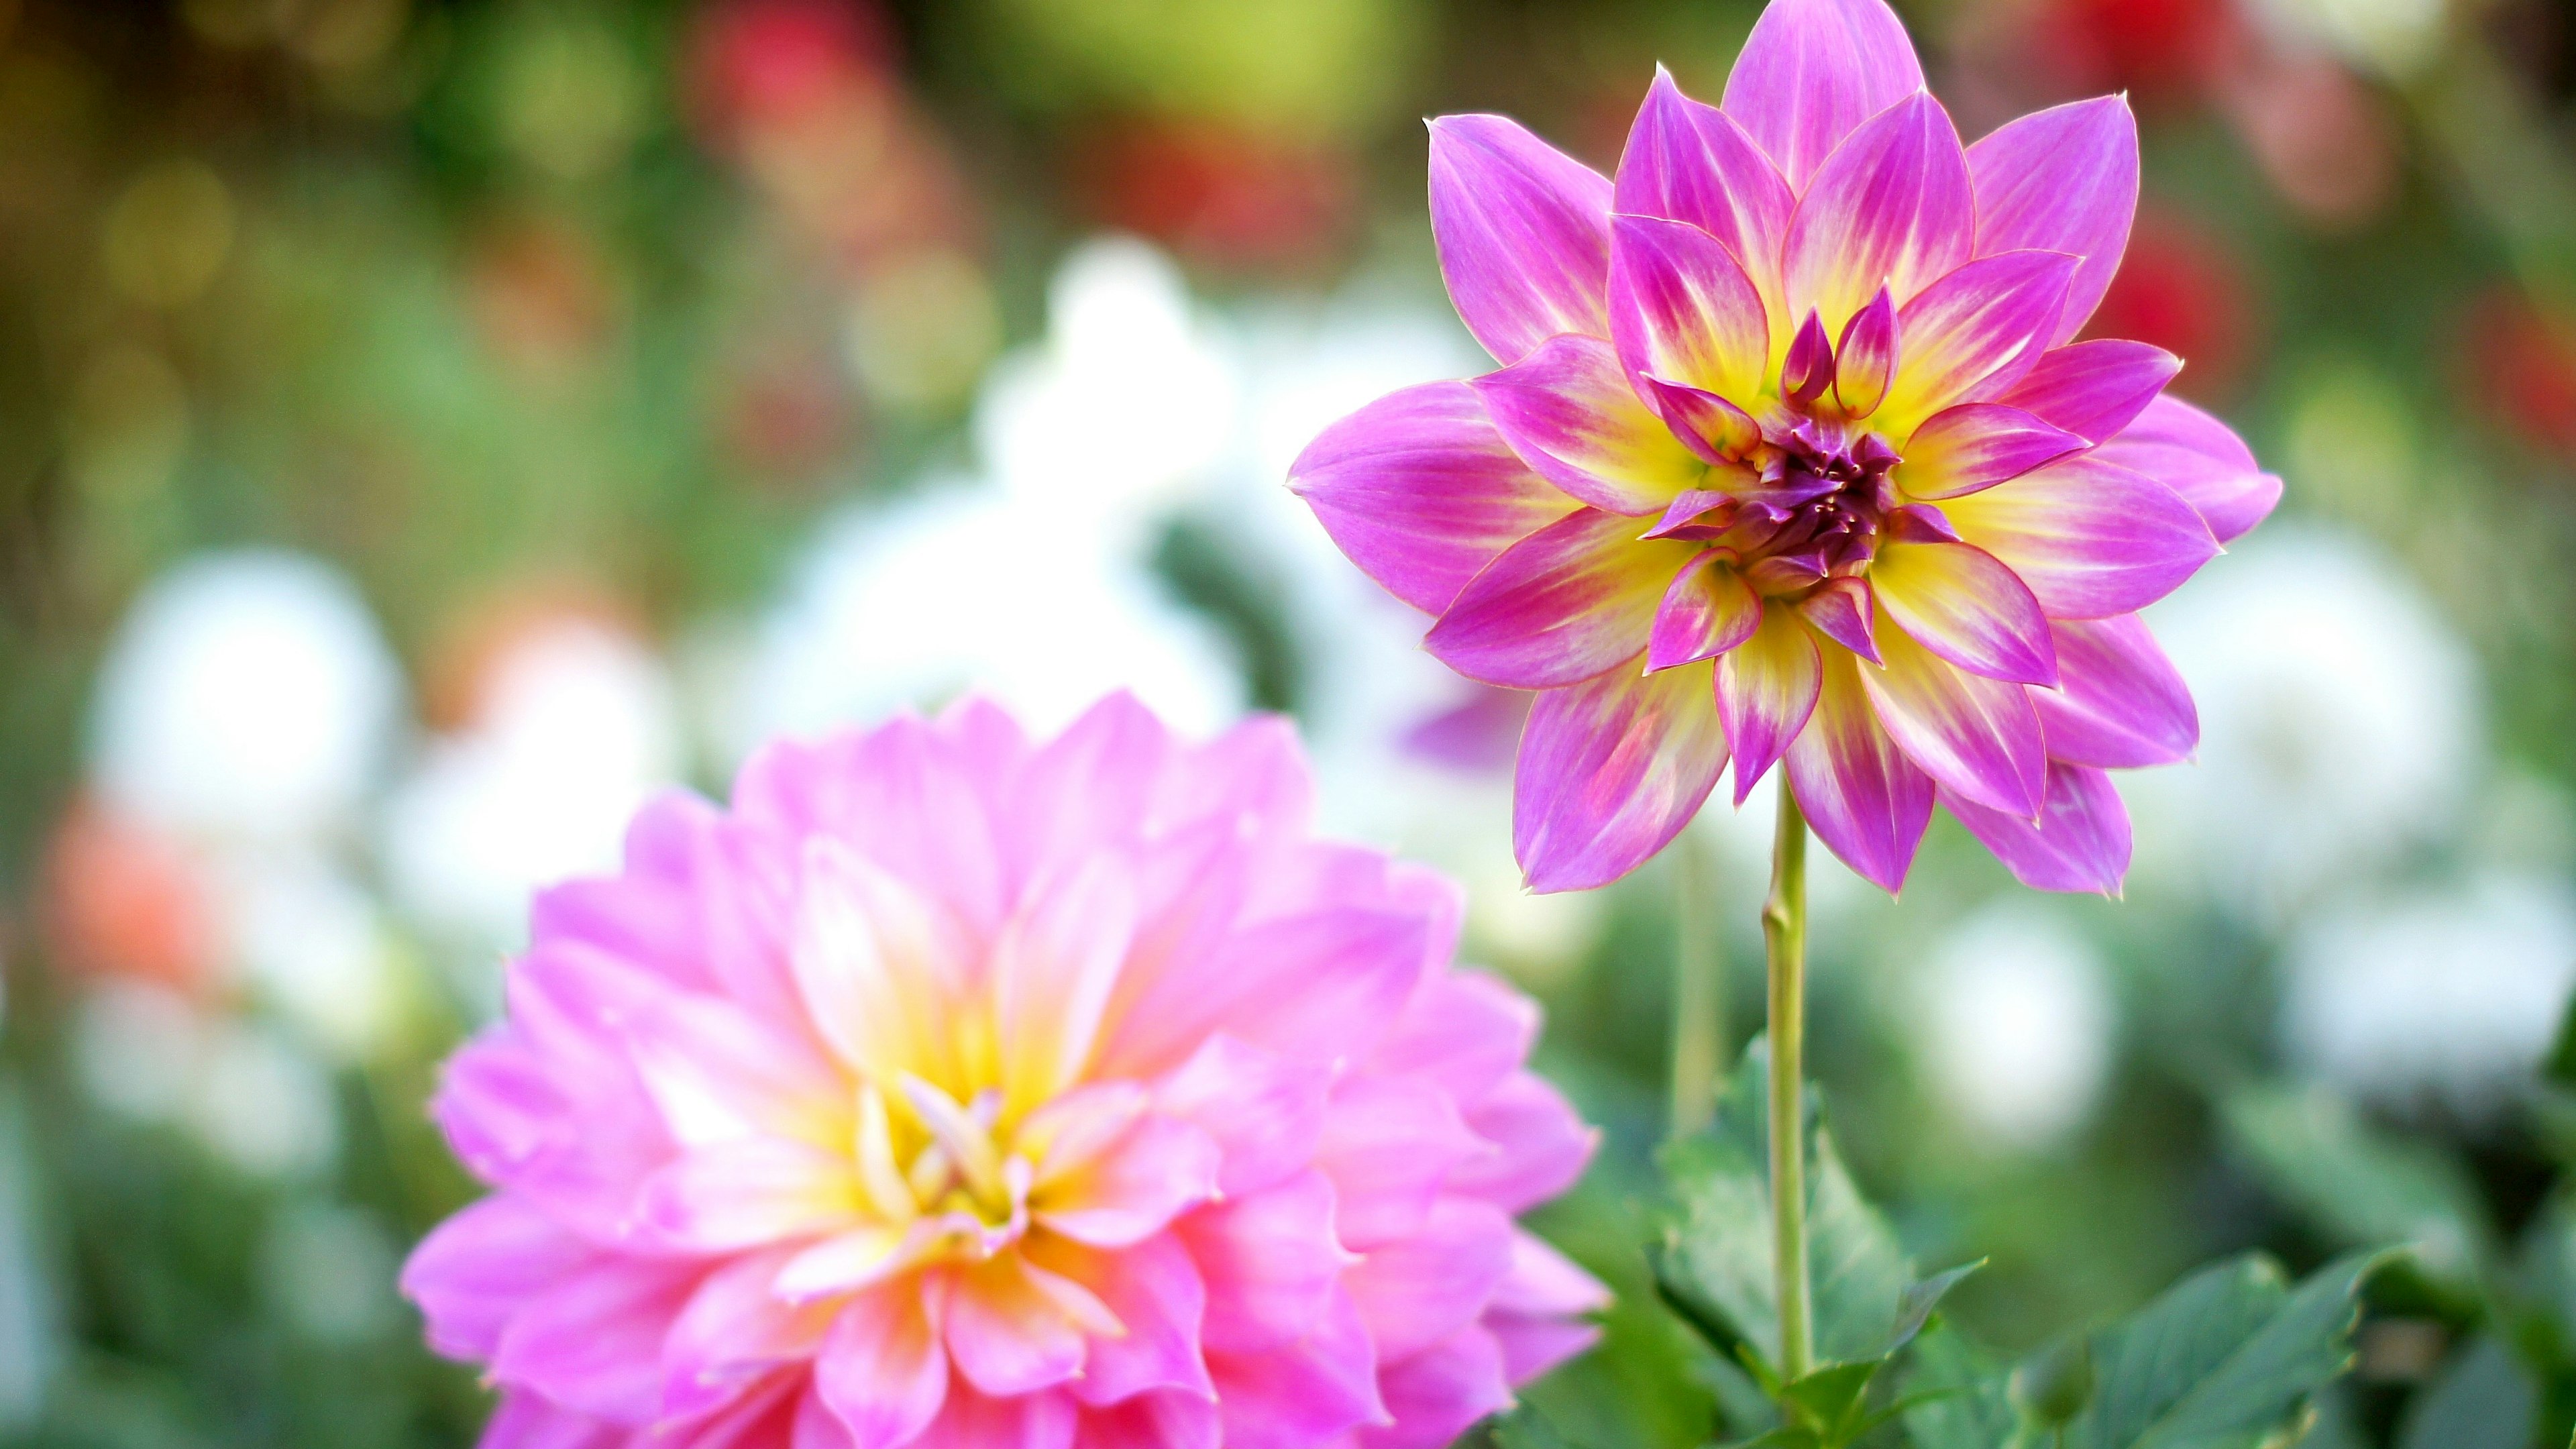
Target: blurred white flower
(313, 943)
(248, 695)
(575, 729)
(2015, 1022)
(2339, 722)
(2446, 999)
(2394, 37)
(242, 1089)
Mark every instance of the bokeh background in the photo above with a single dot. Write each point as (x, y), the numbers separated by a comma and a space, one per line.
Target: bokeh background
(426, 428)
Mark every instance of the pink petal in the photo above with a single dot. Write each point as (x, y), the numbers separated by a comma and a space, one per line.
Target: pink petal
(1866, 801)
(1421, 491)
(882, 1371)
(1971, 446)
(1708, 610)
(717, 1073)
(2081, 842)
(1270, 1264)
(475, 1269)
(1569, 411)
(1545, 1283)
(592, 1341)
(1006, 1332)
(2198, 457)
(1958, 602)
(1389, 1144)
(1464, 1031)
(746, 1193)
(1974, 333)
(1052, 971)
(1568, 602)
(1690, 162)
(1844, 611)
(1611, 769)
(1683, 308)
(1865, 360)
(1978, 736)
(1532, 1346)
(971, 1420)
(2120, 703)
(528, 1421)
(1765, 691)
(1159, 1170)
(735, 1329)
(1892, 207)
(1419, 1289)
(1523, 233)
(1716, 431)
(1161, 1420)
(1812, 71)
(1807, 372)
(1263, 1111)
(2093, 388)
(873, 956)
(1305, 1393)
(1437, 1393)
(1540, 1146)
(1316, 985)
(2091, 538)
(1158, 1298)
(2062, 180)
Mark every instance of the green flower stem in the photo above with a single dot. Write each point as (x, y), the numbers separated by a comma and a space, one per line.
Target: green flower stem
(1699, 1022)
(1784, 937)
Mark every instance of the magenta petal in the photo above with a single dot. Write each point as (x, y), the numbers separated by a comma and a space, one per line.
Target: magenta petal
(476, 1268)
(1611, 769)
(1977, 736)
(1812, 71)
(1314, 1390)
(1973, 333)
(1892, 207)
(1960, 603)
(1865, 800)
(2200, 458)
(1571, 600)
(2120, 703)
(1045, 1420)
(1682, 308)
(1419, 1289)
(1865, 360)
(1155, 1293)
(1690, 162)
(527, 1421)
(1421, 491)
(2062, 180)
(736, 1329)
(1523, 232)
(592, 1340)
(1569, 410)
(2095, 388)
(1439, 1393)
(1715, 430)
(1262, 1110)
(1961, 449)
(1540, 1146)
(1708, 610)
(732, 1195)
(1464, 1030)
(1160, 1169)
(1765, 692)
(1389, 1144)
(1844, 611)
(2092, 539)
(1270, 1263)
(2081, 842)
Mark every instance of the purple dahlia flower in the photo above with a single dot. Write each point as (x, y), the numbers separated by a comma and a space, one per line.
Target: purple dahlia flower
(1792, 460)
(962, 1091)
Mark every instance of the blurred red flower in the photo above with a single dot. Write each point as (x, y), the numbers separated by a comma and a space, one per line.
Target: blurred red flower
(2520, 367)
(2181, 289)
(1219, 193)
(120, 899)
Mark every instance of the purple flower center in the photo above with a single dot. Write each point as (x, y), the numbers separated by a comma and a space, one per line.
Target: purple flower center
(1819, 500)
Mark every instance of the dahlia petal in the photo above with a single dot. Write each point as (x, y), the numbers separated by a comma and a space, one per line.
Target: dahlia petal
(1571, 600)
(1972, 334)
(1532, 1346)
(1683, 308)
(2120, 704)
(1844, 611)
(814, 1426)
(2081, 842)
(860, 1257)
(1689, 161)
(1891, 207)
(733, 1195)
(1523, 232)
(1007, 1333)
(764, 1416)
(1972, 446)
(1161, 1420)
(873, 958)
(1420, 490)
(1084, 788)
(1766, 688)
(2200, 458)
(718, 1075)
(1463, 1030)
(1416, 1290)
(2094, 388)
(1919, 523)
(1389, 1144)
(1716, 431)
(905, 795)
(1570, 412)
(1807, 371)
(1543, 1282)
(1052, 973)
(1961, 604)
(474, 1270)
(1160, 1169)
(1264, 1111)
(1270, 1263)
(1158, 1298)
(1540, 1146)
(1866, 801)
(1978, 736)
(2091, 538)
(971, 1420)
(1610, 770)
(2062, 180)
(1708, 610)
(592, 1341)
(1812, 71)
(1309, 1390)
(1865, 360)
(1316, 986)
(1078, 1128)
(735, 1329)
(1435, 1394)
(527, 1421)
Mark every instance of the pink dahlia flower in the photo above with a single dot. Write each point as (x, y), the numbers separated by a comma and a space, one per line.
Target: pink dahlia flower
(1792, 459)
(968, 1092)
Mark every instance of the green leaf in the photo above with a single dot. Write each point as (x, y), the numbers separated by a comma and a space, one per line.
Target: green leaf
(1525, 1428)
(1914, 1307)
(1957, 1395)
(2225, 1360)
(2361, 1184)
(2485, 1399)
(1831, 1398)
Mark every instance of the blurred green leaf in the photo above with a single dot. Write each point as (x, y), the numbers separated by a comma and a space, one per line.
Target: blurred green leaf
(2484, 1400)
(1958, 1394)
(2359, 1184)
